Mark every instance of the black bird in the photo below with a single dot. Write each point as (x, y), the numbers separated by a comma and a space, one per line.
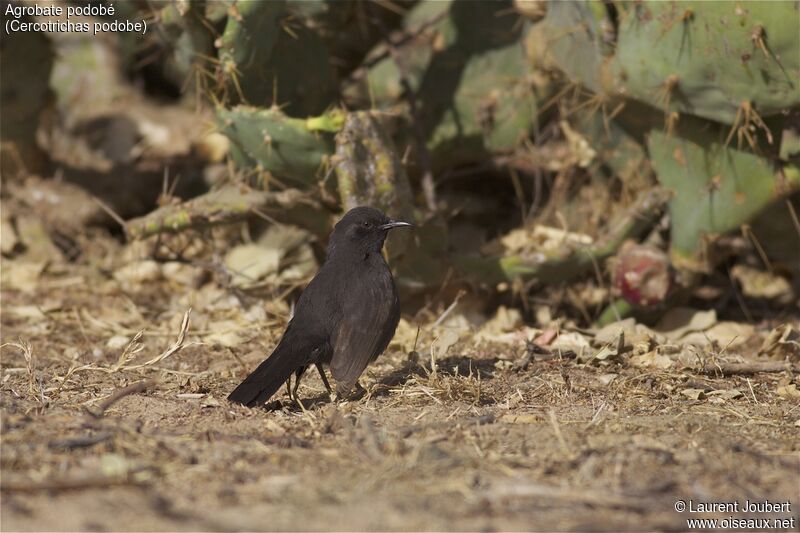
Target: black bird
(345, 317)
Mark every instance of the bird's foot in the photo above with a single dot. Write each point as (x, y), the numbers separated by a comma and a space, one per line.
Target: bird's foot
(356, 393)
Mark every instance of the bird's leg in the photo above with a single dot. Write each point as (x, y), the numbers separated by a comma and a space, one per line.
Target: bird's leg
(359, 389)
(324, 378)
(297, 375)
(289, 387)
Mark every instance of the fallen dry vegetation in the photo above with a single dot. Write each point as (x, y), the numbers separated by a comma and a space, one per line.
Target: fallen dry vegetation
(164, 201)
(107, 428)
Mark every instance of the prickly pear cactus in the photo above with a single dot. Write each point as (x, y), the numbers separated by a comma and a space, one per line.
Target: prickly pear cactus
(470, 75)
(368, 168)
(717, 189)
(26, 60)
(577, 36)
(370, 172)
(731, 62)
(705, 85)
(711, 59)
(777, 231)
(475, 94)
(267, 57)
(335, 21)
(249, 38)
(178, 52)
(293, 150)
(382, 85)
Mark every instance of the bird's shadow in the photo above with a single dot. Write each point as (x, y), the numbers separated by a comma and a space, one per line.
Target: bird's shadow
(451, 366)
(291, 406)
(454, 365)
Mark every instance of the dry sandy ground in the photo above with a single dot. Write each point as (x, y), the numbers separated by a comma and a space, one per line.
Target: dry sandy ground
(477, 445)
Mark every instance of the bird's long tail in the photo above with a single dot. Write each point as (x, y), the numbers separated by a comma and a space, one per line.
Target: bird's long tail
(265, 380)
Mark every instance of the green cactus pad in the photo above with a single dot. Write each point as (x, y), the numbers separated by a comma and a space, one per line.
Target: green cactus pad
(573, 37)
(710, 59)
(475, 94)
(291, 149)
(716, 189)
(471, 77)
(26, 61)
(368, 168)
(268, 57)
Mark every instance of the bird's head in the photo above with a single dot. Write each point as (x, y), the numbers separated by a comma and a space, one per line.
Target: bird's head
(363, 229)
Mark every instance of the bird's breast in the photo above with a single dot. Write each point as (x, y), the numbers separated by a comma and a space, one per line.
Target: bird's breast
(372, 276)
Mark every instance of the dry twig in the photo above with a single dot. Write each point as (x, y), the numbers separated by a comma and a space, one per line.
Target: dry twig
(754, 367)
(139, 386)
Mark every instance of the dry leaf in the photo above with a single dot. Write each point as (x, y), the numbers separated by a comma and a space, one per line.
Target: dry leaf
(445, 341)
(209, 401)
(608, 352)
(224, 333)
(540, 238)
(788, 391)
(22, 276)
(9, 242)
(679, 321)
(25, 311)
(728, 394)
(652, 358)
(405, 335)
(724, 334)
(571, 340)
(581, 152)
(250, 263)
(503, 321)
(182, 273)
(694, 394)
(524, 418)
(634, 333)
(117, 342)
(138, 273)
(606, 379)
(760, 284)
(782, 342)
(114, 465)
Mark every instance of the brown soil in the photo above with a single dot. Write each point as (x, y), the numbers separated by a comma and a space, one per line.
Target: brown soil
(474, 446)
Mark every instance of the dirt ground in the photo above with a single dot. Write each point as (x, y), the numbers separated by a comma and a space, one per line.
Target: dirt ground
(113, 414)
(477, 444)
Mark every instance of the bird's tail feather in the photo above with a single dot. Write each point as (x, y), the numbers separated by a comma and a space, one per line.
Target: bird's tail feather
(265, 380)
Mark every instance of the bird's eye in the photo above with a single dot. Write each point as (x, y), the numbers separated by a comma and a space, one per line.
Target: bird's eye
(367, 223)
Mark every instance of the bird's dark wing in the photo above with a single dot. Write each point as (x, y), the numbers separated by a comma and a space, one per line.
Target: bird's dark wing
(296, 349)
(368, 321)
(306, 341)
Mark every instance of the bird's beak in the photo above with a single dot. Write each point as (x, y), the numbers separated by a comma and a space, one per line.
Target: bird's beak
(395, 224)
